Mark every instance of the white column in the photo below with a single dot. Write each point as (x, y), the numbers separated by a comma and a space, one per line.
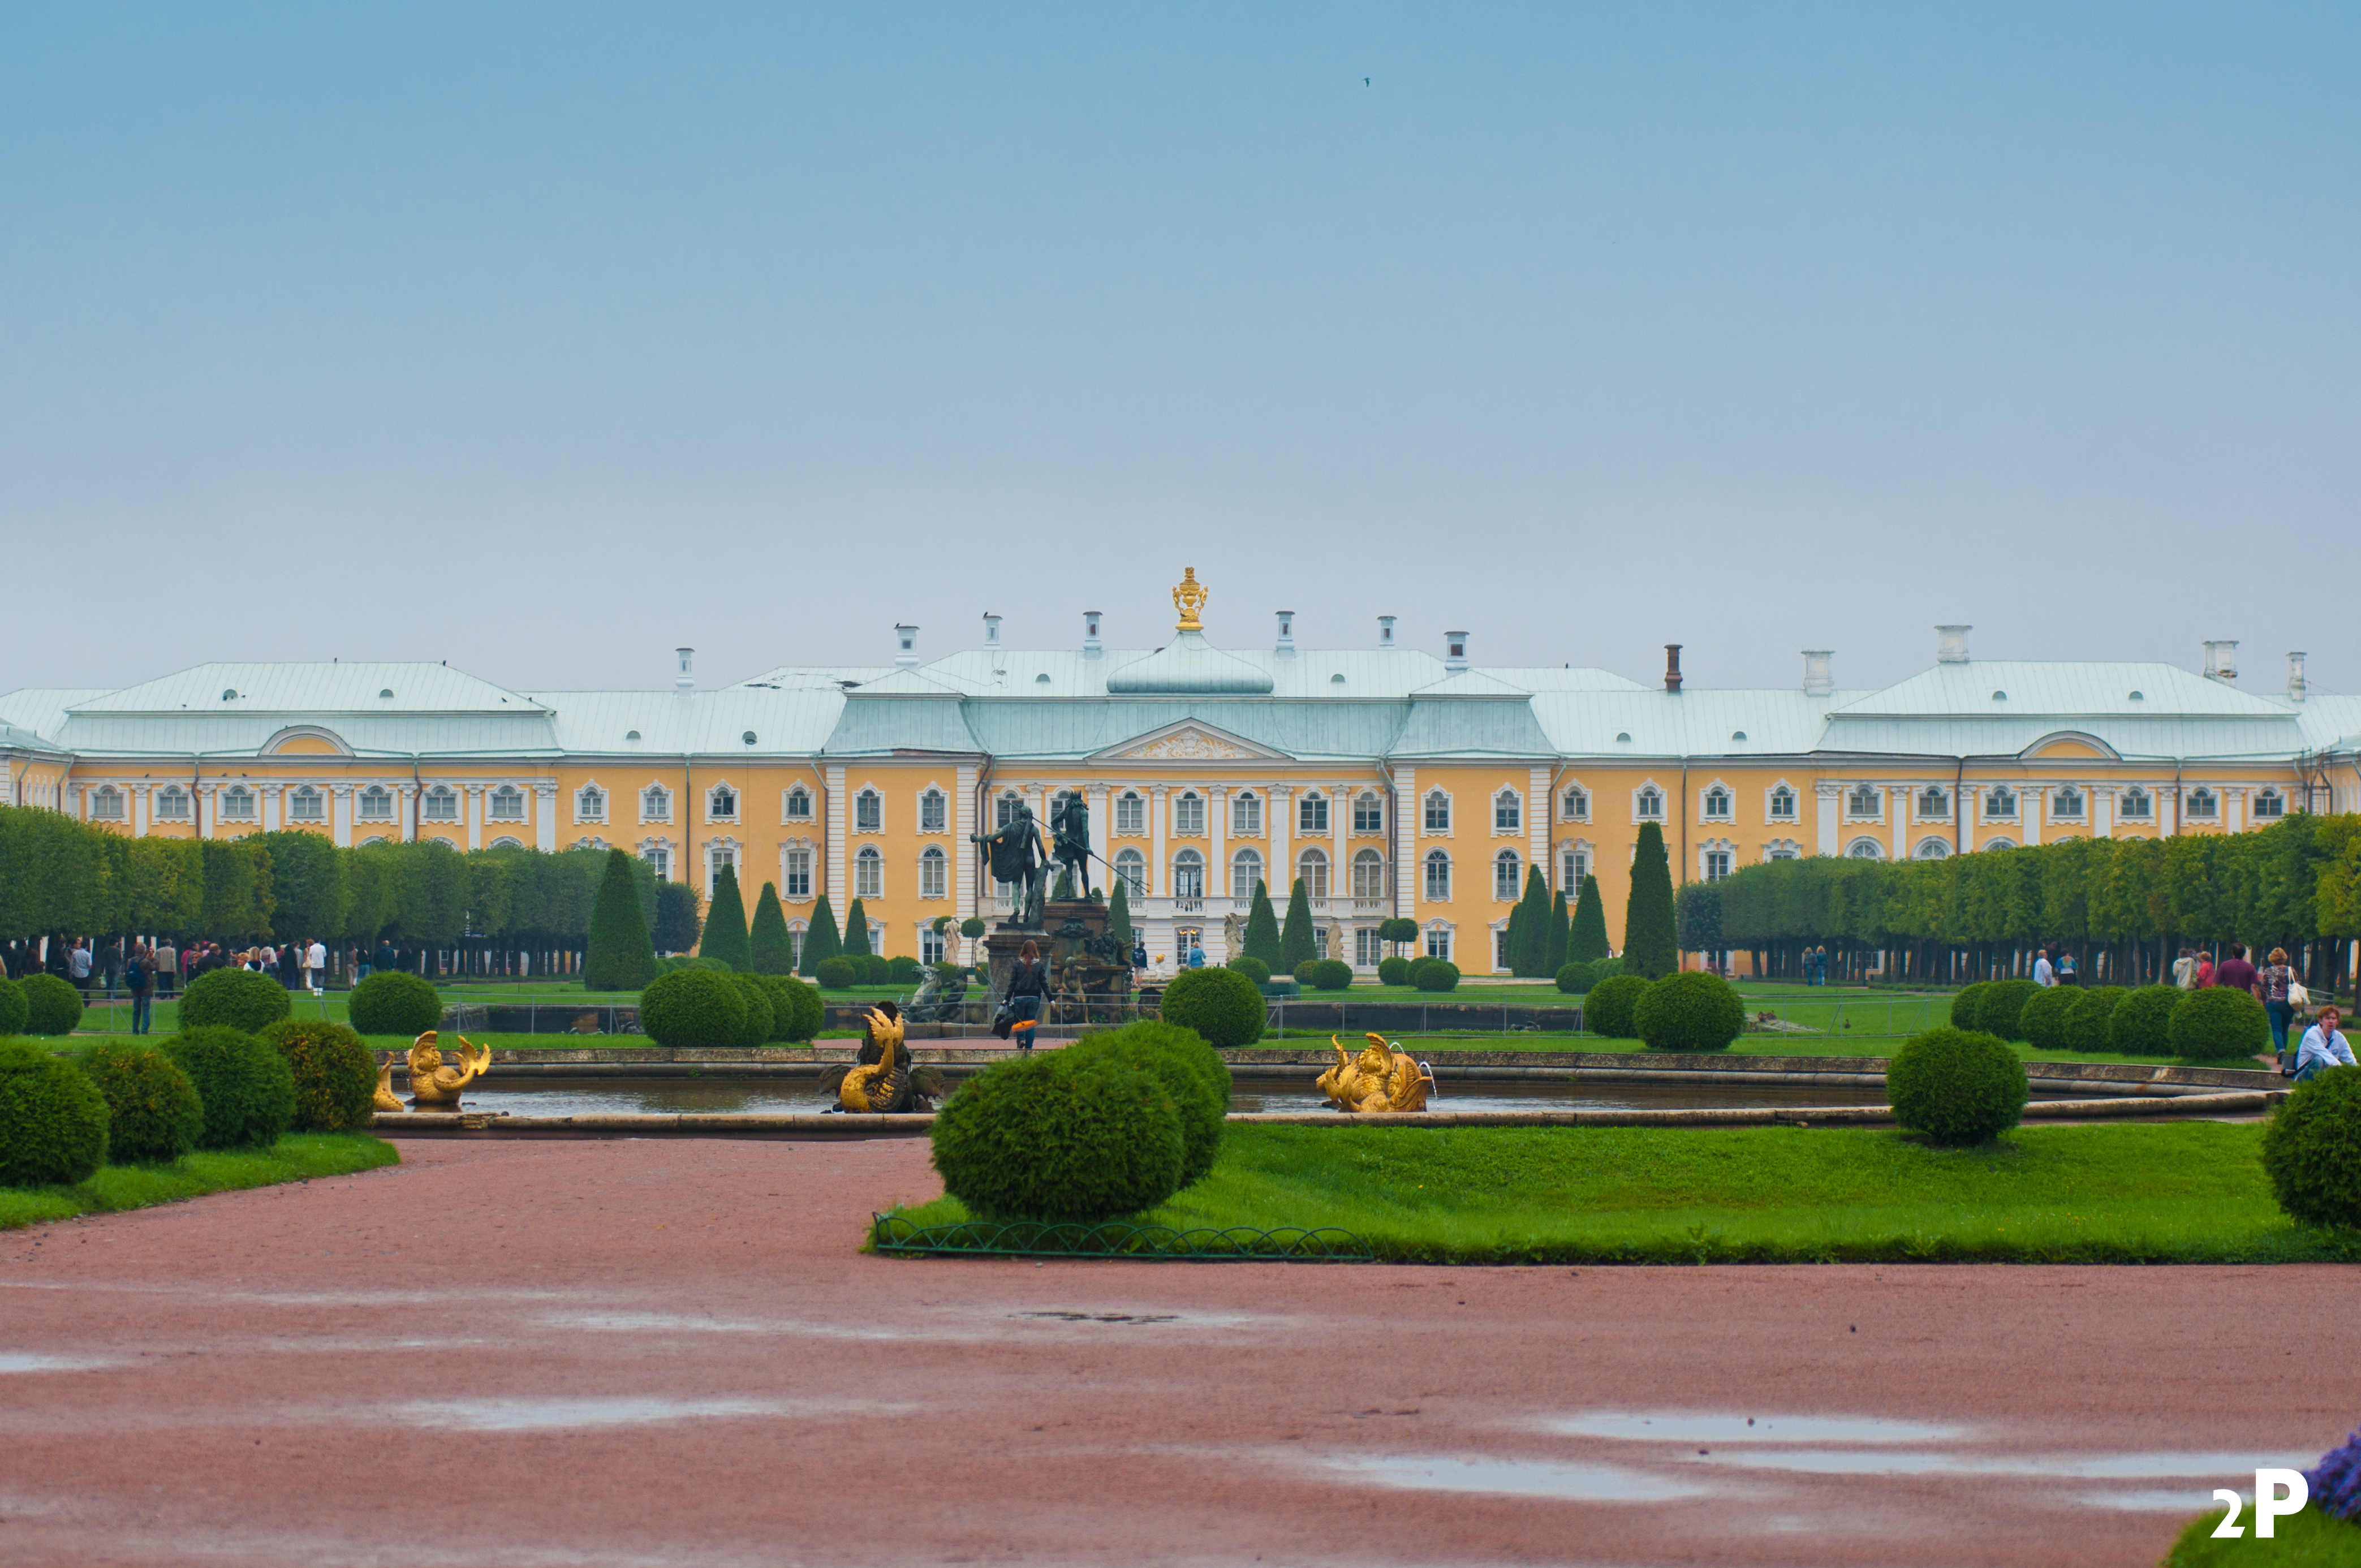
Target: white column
(1899, 805)
(1963, 811)
(206, 802)
(139, 810)
(1102, 847)
(836, 809)
(269, 793)
(1217, 825)
(1340, 820)
(2168, 811)
(962, 852)
(474, 810)
(406, 802)
(2234, 810)
(1405, 839)
(2033, 805)
(544, 813)
(1831, 806)
(1538, 810)
(2103, 812)
(1160, 874)
(1281, 808)
(340, 813)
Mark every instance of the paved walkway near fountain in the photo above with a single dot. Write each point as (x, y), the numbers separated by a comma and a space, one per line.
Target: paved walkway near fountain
(664, 1351)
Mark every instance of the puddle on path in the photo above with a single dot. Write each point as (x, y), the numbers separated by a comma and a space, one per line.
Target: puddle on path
(14, 1361)
(1512, 1477)
(549, 1414)
(2062, 1467)
(1713, 1427)
(2189, 1504)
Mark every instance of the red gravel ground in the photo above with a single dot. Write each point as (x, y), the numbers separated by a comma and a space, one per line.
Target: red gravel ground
(670, 1352)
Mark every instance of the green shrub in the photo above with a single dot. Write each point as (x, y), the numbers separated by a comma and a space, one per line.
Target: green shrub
(1062, 1135)
(1253, 968)
(1192, 1072)
(1393, 971)
(711, 964)
(394, 1001)
(51, 1005)
(1305, 970)
(693, 1010)
(1222, 1006)
(1609, 1009)
(153, 1114)
(242, 999)
(1435, 975)
(901, 969)
(2041, 1022)
(1691, 1011)
(756, 1028)
(875, 970)
(336, 1079)
(769, 948)
(1605, 969)
(837, 974)
(2087, 1020)
(1574, 977)
(1957, 1087)
(1996, 1015)
(725, 934)
(619, 956)
(52, 1118)
(1967, 1006)
(2218, 1023)
(2141, 1025)
(2312, 1149)
(247, 1089)
(13, 1008)
(1327, 974)
(796, 1008)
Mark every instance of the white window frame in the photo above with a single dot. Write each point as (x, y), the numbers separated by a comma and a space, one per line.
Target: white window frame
(1646, 790)
(1312, 869)
(2203, 803)
(1728, 808)
(1004, 808)
(171, 804)
(656, 802)
(1435, 802)
(1434, 868)
(720, 853)
(2278, 804)
(1933, 847)
(1864, 803)
(1941, 811)
(238, 803)
(1243, 877)
(1515, 863)
(795, 803)
(797, 863)
(1131, 865)
(504, 804)
(2136, 804)
(1435, 941)
(1865, 848)
(1131, 815)
(1781, 850)
(106, 804)
(375, 796)
(1716, 861)
(2070, 803)
(1363, 858)
(657, 852)
(1570, 878)
(1510, 803)
(1186, 864)
(506, 841)
(1580, 794)
(591, 803)
(933, 873)
(1245, 815)
(1987, 812)
(1771, 802)
(869, 873)
(1189, 815)
(303, 795)
(1311, 813)
(1368, 804)
(933, 810)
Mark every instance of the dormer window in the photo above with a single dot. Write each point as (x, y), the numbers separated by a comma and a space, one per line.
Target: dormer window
(507, 803)
(305, 804)
(1508, 812)
(1438, 812)
(869, 812)
(655, 804)
(1573, 805)
(934, 811)
(1782, 805)
(798, 804)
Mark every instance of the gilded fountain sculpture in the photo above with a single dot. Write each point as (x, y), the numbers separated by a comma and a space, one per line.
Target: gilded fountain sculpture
(1380, 1079)
(433, 1086)
(884, 1079)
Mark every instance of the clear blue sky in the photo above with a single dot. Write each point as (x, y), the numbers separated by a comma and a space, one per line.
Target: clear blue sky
(541, 338)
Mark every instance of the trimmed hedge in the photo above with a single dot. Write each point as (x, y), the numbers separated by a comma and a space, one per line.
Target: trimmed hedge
(1223, 1007)
(1691, 1011)
(2087, 1019)
(2141, 1025)
(1325, 974)
(393, 1001)
(2041, 1022)
(901, 969)
(1434, 975)
(875, 969)
(1192, 1072)
(756, 1029)
(242, 999)
(51, 1005)
(1574, 977)
(2217, 1023)
(693, 1009)
(52, 1118)
(796, 1008)
(1996, 1015)
(13, 1008)
(1607, 1010)
(2312, 1149)
(1957, 1087)
(1253, 968)
(1393, 971)
(247, 1089)
(335, 1078)
(839, 973)
(1062, 1136)
(1967, 1006)
(153, 1114)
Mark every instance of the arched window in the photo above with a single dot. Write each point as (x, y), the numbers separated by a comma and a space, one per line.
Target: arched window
(589, 803)
(2066, 805)
(655, 804)
(1004, 810)
(2000, 843)
(2270, 804)
(171, 804)
(1438, 877)
(1369, 812)
(933, 873)
(798, 805)
(1648, 805)
(238, 803)
(305, 804)
(2203, 804)
(1784, 850)
(1245, 874)
(1863, 802)
(1932, 849)
(869, 873)
(868, 812)
(1506, 869)
(1131, 815)
(2000, 804)
(1508, 812)
(1865, 850)
(505, 842)
(1781, 803)
(1132, 867)
(1438, 812)
(1716, 802)
(1573, 805)
(1188, 875)
(1312, 867)
(1245, 814)
(2138, 805)
(1311, 813)
(1934, 801)
(934, 811)
(1189, 816)
(106, 804)
(507, 803)
(1368, 875)
(800, 872)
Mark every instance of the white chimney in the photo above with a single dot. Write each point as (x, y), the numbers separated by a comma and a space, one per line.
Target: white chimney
(906, 645)
(1091, 631)
(1818, 681)
(1385, 632)
(2295, 676)
(2222, 660)
(1454, 651)
(991, 629)
(1287, 631)
(1951, 644)
(684, 683)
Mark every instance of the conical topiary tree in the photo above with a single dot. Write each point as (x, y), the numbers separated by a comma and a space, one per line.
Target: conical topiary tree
(1585, 942)
(768, 944)
(1119, 912)
(1555, 960)
(725, 923)
(1651, 945)
(1296, 942)
(1262, 931)
(1529, 939)
(821, 940)
(621, 956)
(1515, 935)
(856, 931)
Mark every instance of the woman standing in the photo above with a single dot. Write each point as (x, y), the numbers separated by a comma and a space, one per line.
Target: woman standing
(1028, 989)
(139, 976)
(2275, 979)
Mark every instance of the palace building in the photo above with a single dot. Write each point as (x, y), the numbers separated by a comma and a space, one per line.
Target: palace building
(1393, 782)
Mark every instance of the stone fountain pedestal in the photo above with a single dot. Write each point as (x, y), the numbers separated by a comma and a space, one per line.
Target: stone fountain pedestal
(1084, 987)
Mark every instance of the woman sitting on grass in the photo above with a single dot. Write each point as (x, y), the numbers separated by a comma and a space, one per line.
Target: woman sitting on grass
(2323, 1048)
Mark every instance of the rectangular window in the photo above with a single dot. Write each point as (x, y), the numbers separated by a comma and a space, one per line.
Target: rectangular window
(1189, 817)
(1368, 814)
(1366, 948)
(303, 806)
(799, 868)
(1574, 805)
(660, 862)
(1575, 865)
(868, 812)
(1245, 816)
(1717, 864)
(934, 875)
(796, 945)
(171, 806)
(934, 813)
(1438, 944)
(1508, 812)
(1499, 950)
(442, 805)
(1311, 814)
(1130, 816)
(869, 875)
(931, 944)
(1438, 813)
(507, 806)
(1320, 942)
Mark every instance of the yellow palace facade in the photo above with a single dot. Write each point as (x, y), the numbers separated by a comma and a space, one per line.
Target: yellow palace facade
(1394, 782)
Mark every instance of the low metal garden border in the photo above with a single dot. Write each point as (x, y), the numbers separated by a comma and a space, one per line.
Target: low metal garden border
(896, 1234)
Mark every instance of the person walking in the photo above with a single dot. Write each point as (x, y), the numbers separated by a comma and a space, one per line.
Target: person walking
(2323, 1048)
(139, 975)
(165, 965)
(2044, 973)
(2068, 973)
(2238, 973)
(110, 964)
(316, 964)
(1028, 991)
(78, 968)
(2184, 969)
(2204, 970)
(2275, 982)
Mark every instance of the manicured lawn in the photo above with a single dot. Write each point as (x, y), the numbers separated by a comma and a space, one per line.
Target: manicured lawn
(1744, 1046)
(2308, 1540)
(2161, 1193)
(298, 1157)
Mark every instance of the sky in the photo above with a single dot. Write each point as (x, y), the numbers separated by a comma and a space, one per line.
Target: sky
(543, 338)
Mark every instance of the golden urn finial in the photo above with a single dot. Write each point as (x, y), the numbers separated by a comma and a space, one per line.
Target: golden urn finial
(1190, 598)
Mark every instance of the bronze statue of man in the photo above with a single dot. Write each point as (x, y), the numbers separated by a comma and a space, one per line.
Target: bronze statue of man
(1069, 824)
(1019, 858)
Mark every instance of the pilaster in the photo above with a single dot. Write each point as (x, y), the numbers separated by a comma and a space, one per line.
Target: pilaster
(270, 793)
(1159, 817)
(962, 852)
(340, 813)
(1096, 797)
(1405, 829)
(2033, 810)
(1280, 822)
(473, 809)
(1538, 810)
(1831, 795)
(544, 813)
(1899, 809)
(139, 810)
(837, 807)
(1217, 825)
(2103, 812)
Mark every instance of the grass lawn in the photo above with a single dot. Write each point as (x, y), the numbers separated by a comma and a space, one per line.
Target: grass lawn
(1744, 1046)
(2177, 1193)
(2308, 1540)
(298, 1157)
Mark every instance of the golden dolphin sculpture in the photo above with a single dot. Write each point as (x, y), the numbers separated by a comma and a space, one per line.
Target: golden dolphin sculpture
(1379, 1080)
(884, 1079)
(433, 1086)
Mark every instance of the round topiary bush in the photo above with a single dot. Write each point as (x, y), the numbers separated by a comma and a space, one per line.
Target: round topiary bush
(247, 1089)
(1607, 1010)
(1330, 974)
(1062, 1136)
(1574, 979)
(52, 1119)
(392, 1002)
(13, 1008)
(336, 1081)
(902, 969)
(2217, 1023)
(1253, 968)
(796, 1008)
(756, 1029)
(2311, 1150)
(1305, 970)
(1192, 1072)
(1969, 1004)
(839, 973)
(1957, 1087)
(52, 1006)
(1434, 975)
(2041, 1022)
(1394, 970)
(153, 1114)
(1222, 1006)
(2087, 1019)
(711, 965)
(1690, 1011)
(242, 999)
(693, 1010)
(1996, 1013)
(2141, 1025)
